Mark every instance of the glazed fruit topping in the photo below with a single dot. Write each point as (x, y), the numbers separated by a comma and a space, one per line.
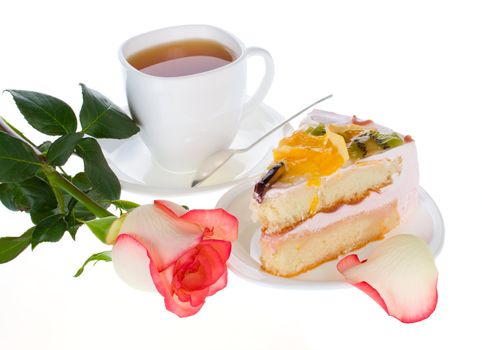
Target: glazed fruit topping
(371, 141)
(320, 150)
(311, 153)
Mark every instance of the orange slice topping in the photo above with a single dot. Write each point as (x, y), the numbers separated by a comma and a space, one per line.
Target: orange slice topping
(310, 156)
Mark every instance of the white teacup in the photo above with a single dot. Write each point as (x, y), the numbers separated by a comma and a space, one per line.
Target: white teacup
(186, 118)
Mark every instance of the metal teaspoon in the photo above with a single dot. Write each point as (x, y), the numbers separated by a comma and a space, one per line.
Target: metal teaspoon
(218, 159)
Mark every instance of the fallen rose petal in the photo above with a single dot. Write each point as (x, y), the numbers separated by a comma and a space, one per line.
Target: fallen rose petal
(219, 223)
(400, 275)
(165, 237)
(352, 261)
(131, 262)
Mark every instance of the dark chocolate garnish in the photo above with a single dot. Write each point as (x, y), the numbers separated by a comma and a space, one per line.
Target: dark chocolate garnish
(263, 185)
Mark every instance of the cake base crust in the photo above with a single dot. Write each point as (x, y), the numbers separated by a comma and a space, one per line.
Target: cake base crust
(290, 254)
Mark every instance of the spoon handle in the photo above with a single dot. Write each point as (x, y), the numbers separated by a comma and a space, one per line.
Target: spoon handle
(284, 123)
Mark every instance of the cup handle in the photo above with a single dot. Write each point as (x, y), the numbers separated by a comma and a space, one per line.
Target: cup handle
(265, 84)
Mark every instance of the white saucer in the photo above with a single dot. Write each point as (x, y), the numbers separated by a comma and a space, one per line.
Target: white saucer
(425, 222)
(131, 160)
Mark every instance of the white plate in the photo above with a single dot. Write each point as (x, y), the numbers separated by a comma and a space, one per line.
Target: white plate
(131, 160)
(425, 222)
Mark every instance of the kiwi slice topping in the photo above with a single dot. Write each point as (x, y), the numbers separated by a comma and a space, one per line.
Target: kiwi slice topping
(387, 141)
(357, 150)
(371, 141)
(316, 131)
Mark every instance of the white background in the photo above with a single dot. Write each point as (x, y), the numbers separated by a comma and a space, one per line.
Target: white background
(415, 66)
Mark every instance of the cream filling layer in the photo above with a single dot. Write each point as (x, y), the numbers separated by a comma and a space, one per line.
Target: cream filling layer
(403, 190)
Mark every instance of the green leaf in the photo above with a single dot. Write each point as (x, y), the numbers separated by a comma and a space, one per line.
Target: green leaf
(125, 205)
(11, 247)
(82, 181)
(39, 194)
(45, 113)
(62, 148)
(38, 215)
(13, 198)
(73, 230)
(97, 170)
(50, 229)
(102, 256)
(32, 194)
(103, 119)
(18, 161)
(100, 227)
(44, 147)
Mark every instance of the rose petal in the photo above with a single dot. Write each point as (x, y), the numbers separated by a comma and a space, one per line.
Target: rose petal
(223, 248)
(218, 223)
(198, 297)
(165, 237)
(207, 267)
(159, 247)
(352, 261)
(162, 280)
(131, 262)
(400, 275)
(189, 270)
(220, 283)
(170, 208)
(181, 309)
(183, 295)
(197, 277)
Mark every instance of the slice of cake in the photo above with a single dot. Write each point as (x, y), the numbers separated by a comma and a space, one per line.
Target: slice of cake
(336, 184)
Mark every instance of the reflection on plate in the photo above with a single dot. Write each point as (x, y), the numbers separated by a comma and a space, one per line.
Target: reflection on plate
(425, 222)
(131, 161)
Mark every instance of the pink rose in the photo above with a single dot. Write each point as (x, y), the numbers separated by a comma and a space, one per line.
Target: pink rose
(181, 254)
